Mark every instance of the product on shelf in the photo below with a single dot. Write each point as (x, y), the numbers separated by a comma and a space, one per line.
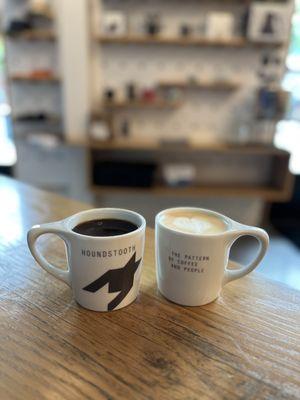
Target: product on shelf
(114, 23)
(99, 130)
(270, 71)
(244, 22)
(153, 24)
(220, 25)
(45, 139)
(148, 94)
(109, 94)
(131, 91)
(34, 18)
(172, 94)
(185, 30)
(18, 26)
(125, 128)
(179, 174)
(269, 22)
(271, 103)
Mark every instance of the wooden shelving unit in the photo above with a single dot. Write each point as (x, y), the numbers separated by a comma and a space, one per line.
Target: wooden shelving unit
(34, 35)
(178, 41)
(32, 56)
(216, 85)
(278, 189)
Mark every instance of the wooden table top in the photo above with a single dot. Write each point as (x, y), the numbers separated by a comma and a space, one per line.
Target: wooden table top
(243, 346)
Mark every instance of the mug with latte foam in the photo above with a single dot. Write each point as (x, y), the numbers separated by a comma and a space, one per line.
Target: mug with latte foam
(192, 253)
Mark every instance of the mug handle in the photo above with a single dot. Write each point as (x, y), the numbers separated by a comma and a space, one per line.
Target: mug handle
(239, 231)
(58, 229)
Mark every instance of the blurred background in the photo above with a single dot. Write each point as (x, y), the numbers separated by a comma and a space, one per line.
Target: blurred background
(152, 104)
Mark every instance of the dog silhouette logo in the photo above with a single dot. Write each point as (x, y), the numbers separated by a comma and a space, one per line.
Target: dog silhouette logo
(119, 280)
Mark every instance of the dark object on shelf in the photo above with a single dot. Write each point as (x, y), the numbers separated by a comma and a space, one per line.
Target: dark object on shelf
(124, 174)
(109, 94)
(18, 26)
(185, 30)
(131, 91)
(269, 24)
(269, 58)
(265, 59)
(153, 26)
(244, 22)
(267, 103)
(271, 104)
(149, 95)
(34, 117)
(269, 71)
(125, 128)
(30, 21)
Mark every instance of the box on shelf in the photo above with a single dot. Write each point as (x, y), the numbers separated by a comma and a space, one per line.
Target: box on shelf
(269, 22)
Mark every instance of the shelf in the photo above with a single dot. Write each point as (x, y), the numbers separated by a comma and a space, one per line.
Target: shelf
(150, 146)
(213, 85)
(34, 79)
(51, 119)
(279, 189)
(265, 193)
(159, 104)
(140, 39)
(34, 34)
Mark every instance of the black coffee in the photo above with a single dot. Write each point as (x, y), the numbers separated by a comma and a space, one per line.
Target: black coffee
(105, 227)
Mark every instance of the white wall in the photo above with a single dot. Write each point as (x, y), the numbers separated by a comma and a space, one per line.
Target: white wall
(74, 42)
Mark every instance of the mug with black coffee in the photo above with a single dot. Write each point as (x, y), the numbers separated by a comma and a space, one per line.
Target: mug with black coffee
(105, 253)
(192, 253)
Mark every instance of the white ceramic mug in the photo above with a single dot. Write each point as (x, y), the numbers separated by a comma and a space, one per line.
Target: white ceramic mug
(192, 267)
(104, 272)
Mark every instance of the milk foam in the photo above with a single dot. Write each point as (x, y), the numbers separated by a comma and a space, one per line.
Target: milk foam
(195, 222)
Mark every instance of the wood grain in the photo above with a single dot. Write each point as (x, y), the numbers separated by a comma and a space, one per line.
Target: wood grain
(34, 79)
(237, 42)
(142, 104)
(34, 34)
(243, 346)
(206, 85)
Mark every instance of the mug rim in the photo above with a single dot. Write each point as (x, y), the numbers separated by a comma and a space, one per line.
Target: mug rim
(228, 221)
(67, 222)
